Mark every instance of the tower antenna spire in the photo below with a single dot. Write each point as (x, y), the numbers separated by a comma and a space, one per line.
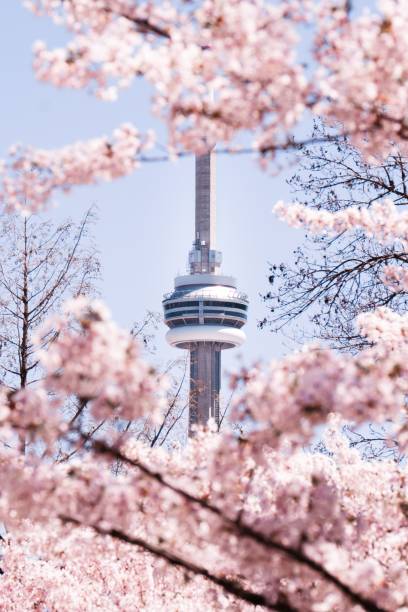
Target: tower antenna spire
(205, 312)
(205, 215)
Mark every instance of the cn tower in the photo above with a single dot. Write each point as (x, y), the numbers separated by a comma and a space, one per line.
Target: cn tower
(205, 312)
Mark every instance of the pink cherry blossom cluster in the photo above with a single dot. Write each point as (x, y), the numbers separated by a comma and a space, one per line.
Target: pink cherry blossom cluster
(396, 278)
(103, 54)
(384, 326)
(294, 395)
(93, 359)
(291, 526)
(384, 221)
(362, 77)
(276, 521)
(220, 68)
(236, 70)
(30, 177)
(74, 571)
(32, 414)
(217, 69)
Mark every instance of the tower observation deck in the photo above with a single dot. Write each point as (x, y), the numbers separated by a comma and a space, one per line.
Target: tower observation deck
(205, 312)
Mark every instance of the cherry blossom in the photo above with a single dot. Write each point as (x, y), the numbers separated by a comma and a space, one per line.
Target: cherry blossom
(30, 176)
(396, 277)
(220, 71)
(384, 221)
(306, 387)
(98, 362)
(385, 326)
(217, 69)
(270, 522)
(220, 68)
(362, 75)
(308, 529)
(54, 567)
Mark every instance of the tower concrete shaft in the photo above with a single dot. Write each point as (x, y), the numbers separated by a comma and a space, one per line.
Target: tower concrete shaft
(205, 383)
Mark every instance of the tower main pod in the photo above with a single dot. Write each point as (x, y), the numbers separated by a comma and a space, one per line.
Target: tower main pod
(205, 312)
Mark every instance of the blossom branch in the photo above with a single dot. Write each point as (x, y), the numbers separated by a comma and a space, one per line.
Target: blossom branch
(144, 25)
(230, 586)
(31, 176)
(243, 529)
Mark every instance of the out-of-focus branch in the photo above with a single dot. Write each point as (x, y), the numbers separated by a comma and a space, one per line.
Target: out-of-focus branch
(242, 529)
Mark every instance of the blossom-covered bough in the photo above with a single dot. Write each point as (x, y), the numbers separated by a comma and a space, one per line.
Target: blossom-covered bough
(219, 70)
(273, 526)
(229, 522)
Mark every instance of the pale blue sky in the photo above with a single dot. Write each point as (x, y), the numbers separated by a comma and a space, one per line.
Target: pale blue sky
(146, 221)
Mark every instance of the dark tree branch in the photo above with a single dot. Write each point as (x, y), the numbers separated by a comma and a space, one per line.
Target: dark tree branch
(333, 279)
(244, 530)
(145, 26)
(230, 586)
